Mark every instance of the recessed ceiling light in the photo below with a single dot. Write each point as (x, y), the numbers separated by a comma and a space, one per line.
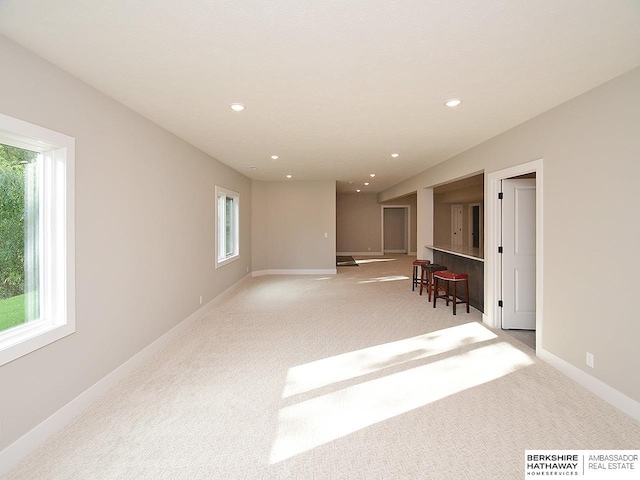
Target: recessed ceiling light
(372, 175)
(289, 176)
(358, 191)
(454, 102)
(366, 183)
(238, 107)
(252, 168)
(395, 155)
(274, 157)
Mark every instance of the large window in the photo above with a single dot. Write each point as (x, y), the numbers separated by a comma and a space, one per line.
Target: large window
(36, 237)
(227, 226)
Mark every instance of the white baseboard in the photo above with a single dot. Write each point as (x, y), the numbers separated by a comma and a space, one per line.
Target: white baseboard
(359, 254)
(31, 440)
(601, 389)
(296, 271)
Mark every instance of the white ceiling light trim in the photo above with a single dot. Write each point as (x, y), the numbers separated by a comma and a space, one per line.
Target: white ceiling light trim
(237, 107)
(454, 102)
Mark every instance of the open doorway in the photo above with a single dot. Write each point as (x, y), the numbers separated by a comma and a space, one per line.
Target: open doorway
(476, 230)
(514, 255)
(518, 257)
(395, 229)
(457, 230)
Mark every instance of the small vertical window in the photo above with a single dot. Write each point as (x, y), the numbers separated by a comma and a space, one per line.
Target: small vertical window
(227, 226)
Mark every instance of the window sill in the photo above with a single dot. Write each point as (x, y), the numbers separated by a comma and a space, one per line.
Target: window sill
(222, 263)
(19, 341)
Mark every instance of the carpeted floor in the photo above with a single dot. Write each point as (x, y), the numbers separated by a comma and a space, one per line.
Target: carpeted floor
(350, 376)
(528, 337)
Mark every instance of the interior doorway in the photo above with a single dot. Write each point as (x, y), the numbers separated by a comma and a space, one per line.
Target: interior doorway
(518, 258)
(476, 230)
(457, 222)
(395, 229)
(502, 297)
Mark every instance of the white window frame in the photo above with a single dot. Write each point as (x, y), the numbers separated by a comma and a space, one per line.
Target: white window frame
(57, 240)
(220, 209)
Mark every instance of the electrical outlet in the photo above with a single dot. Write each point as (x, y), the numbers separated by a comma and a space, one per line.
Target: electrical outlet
(591, 360)
(200, 299)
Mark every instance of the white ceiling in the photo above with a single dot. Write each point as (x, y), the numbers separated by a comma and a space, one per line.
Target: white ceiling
(333, 87)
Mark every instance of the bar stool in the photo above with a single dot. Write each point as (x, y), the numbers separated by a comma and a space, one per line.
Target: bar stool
(416, 265)
(451, 277)
(426, 277)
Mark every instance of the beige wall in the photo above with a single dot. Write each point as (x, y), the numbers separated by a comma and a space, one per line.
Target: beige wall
(590, 149)
(144, 236)
(441, 222)
(290, 221)
(359, 227)
(259, 226)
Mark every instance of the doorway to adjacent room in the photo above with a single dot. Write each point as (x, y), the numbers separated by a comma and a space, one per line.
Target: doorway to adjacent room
(514, 253)
(395, 228)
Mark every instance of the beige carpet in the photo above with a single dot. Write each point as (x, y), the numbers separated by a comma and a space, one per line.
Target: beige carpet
(351, 376)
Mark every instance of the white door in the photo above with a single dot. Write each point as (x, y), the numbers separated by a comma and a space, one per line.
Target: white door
(456, 225)
(519, 254)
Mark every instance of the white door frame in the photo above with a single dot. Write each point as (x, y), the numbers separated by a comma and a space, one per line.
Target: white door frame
(408, 224)
(492, 272)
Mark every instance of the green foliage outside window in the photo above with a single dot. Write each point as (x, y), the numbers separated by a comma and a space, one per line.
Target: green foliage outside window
(14, 163)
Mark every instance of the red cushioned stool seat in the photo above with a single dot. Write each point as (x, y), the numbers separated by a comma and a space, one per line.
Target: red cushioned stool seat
(417, 278)
(450, 278)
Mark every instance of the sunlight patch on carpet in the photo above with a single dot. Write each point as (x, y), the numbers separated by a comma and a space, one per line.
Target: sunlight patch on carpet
(311, 423)
(363, 261)
(313, 375)
(391, 278)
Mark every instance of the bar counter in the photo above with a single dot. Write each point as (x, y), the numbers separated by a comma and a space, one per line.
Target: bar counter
(466, 252)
